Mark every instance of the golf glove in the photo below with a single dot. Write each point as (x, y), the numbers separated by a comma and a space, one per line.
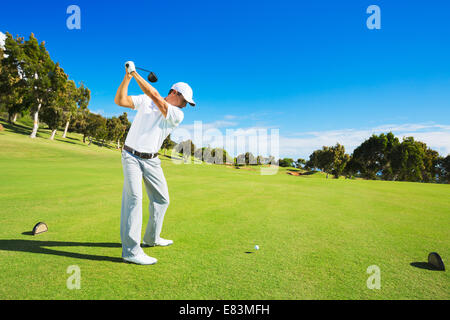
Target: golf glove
(130, 66)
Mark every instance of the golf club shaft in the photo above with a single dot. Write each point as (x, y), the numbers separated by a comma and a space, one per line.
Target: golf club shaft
(142, 69)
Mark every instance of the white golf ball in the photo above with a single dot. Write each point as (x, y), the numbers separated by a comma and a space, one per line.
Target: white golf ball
(256, 247)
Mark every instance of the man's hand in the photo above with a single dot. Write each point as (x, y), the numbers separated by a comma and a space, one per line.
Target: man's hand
(129, 65)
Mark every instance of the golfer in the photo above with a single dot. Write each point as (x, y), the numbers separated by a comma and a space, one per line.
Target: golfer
(156, 117)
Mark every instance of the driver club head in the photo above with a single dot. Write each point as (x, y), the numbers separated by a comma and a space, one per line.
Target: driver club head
(152, 77)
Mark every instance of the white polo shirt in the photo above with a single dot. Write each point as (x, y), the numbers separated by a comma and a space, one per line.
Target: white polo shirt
(150, 127)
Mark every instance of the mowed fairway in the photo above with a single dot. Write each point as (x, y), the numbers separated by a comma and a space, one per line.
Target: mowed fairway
(317, 236)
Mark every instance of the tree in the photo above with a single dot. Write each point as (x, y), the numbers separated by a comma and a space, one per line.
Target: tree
(326, 160)
(313, 162)
(321, 159)
(69, 104)
(331, 160)
(56, 100)
(96, 127)
(53, 116)
(38, 69)
(13, 84)
(240, 160)
(270, 160)
(443, 167)
(430, 172)
(351, 169)
(407, 160)
(340, 160)
(125, 127)
(300, 162)
(101, 134)
(168, 143)
(186, 147)
(221, 156)
(80, 122)
(250, 159)
(114, 130)
(260, 160)
(373, 157)
(286, 162)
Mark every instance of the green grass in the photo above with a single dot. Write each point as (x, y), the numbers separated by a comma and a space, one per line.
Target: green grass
(317, 236)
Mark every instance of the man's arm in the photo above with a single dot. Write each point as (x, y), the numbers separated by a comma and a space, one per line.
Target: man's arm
(122, 98)
(152, 93)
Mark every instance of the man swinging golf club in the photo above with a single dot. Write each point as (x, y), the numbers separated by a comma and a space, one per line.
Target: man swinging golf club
(156, 117)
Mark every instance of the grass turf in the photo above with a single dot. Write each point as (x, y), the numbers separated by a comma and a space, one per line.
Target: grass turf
(317, 236)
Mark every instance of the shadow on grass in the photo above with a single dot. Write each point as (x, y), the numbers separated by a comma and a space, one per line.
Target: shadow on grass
(62, 140)
(170, 157)
(308, 173)
(103, 145)
(34, 246)
(24, 130)
(16, 128)
(424, 265)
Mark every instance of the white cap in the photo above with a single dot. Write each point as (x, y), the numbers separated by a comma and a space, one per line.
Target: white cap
(185, 90)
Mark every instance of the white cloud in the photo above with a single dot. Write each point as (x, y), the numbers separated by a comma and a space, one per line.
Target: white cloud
(255, 116)
(207, 126)
(302, 144)
(98, 112)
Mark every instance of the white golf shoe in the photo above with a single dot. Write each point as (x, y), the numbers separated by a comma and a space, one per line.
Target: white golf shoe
(141, 259)
(160, 243)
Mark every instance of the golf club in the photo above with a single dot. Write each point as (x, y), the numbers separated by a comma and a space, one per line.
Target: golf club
(151, 76)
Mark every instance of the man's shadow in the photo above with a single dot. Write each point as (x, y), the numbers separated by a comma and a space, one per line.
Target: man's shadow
(35, 246)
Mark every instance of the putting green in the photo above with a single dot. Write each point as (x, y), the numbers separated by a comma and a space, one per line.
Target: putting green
(317, 236)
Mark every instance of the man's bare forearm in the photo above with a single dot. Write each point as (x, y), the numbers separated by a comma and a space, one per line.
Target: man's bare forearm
(152, 93)
(122, 92)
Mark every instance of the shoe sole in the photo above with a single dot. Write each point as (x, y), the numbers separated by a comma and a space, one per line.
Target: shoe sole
(155, 245)
(139, 264)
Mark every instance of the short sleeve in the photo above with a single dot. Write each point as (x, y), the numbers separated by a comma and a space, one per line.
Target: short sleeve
(174, 115)
(139, 101)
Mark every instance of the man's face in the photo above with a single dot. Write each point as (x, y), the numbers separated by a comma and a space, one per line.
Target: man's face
(180, 101)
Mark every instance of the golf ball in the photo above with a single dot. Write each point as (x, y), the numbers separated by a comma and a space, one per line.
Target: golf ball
(256, 247)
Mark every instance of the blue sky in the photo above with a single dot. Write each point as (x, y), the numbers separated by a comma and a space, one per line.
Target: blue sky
(311, 69)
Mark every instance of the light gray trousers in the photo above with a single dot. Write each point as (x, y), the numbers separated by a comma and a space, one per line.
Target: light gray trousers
(134, 169)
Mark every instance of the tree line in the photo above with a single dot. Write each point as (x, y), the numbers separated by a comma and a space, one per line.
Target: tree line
(215, 155)
(382, 157)
(32, 83)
